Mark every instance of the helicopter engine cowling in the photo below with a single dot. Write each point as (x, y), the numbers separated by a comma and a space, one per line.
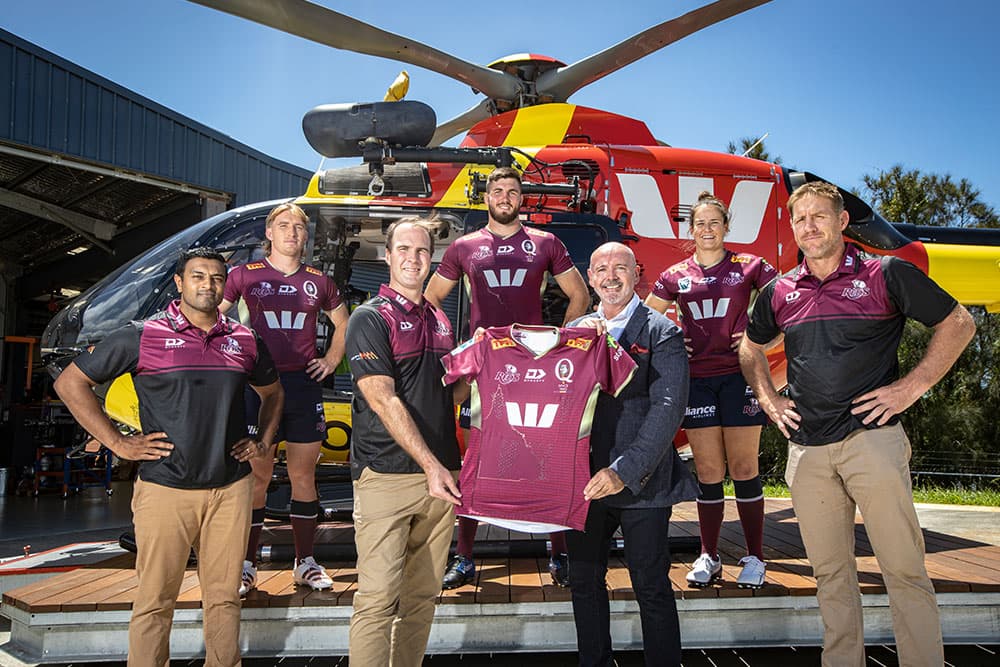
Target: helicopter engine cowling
(340, 130)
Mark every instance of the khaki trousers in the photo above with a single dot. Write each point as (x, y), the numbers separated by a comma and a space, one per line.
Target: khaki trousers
(168, 522)
(869, 470)
(403, 536)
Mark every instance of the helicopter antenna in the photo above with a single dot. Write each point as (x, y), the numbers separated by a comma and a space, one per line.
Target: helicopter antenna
(755, 144)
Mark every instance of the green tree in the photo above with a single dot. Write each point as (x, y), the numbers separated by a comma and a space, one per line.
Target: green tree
(756, 149)
(902, 195)
(954, 427)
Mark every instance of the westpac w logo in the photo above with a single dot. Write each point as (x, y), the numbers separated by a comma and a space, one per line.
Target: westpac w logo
(708, 309)
(502, 278)
(286, 319)
(531, 418)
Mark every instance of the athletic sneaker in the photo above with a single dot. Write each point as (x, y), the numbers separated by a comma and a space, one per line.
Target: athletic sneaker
(310, 573)
(461, 571)
(704, 571)
(752, 575)
(559, 569)
(249, 579)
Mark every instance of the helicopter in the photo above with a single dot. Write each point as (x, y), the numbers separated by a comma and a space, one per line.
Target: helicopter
(589, 176)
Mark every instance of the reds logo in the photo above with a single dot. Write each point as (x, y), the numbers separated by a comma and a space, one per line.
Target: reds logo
(508, 375)
(734, 278)
(482, 253)
(857, 290)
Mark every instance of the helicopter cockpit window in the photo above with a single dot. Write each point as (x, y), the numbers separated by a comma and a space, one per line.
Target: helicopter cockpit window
(123, 296)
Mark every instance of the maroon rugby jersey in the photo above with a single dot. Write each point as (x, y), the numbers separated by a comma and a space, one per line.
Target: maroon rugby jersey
(190, 386)
(713, 306)
(505, 276)
(283, 309)
(529, 450)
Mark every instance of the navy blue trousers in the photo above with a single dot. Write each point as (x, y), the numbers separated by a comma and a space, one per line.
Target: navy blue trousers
(647, 553)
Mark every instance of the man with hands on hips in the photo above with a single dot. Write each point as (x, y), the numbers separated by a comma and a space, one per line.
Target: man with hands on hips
(189, 365)
(842, 317)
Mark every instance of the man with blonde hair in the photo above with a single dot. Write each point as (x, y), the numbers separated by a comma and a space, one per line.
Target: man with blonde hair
(282, 298)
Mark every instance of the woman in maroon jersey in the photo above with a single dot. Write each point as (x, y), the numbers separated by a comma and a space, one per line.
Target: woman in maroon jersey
(713, 290)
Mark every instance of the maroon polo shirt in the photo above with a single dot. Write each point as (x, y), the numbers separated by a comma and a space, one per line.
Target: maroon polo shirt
(842, 335)
(190, 386)
(393, 336)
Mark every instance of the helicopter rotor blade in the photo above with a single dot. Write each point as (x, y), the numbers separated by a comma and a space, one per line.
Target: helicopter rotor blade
(326, 26)
(560, 83)
(462, 122)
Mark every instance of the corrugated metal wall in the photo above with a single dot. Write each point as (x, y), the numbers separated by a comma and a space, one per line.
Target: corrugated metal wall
(48, 102)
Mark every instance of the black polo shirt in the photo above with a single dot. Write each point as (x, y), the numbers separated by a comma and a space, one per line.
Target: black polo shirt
(390, 335)
(190, 386)
(842, 335)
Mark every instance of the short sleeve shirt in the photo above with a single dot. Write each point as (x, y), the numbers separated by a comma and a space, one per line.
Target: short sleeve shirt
(842, 335)
(531, 415)
(714, 304)
(190, 386)
(505, 276)
(393, 336)
(283, 308)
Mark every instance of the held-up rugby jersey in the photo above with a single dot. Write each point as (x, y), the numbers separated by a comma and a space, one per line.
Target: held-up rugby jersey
(190, 386)
(713, 305)
(283, 309)
(842, 335)
(534, 390)
(505, 277)
(390, 335)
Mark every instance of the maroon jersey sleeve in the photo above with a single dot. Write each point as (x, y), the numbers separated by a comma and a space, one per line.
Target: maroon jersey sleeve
(465, 361)
(559, 259)
(451, 264)
(613, 367)
(762, 273)
(664, 288)
(234, 284)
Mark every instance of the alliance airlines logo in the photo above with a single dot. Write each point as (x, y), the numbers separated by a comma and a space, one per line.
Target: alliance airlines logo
(527, 416)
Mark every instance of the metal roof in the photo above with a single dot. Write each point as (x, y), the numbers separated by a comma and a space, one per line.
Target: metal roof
(88, 167)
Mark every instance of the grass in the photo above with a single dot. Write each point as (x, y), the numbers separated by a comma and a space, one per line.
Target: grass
(925, 493)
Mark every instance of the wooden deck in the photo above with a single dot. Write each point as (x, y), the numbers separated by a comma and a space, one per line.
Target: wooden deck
(517, 596)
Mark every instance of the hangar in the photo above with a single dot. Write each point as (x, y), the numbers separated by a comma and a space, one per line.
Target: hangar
(92, 174)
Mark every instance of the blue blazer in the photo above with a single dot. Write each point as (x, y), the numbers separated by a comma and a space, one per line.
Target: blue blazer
(633, 432)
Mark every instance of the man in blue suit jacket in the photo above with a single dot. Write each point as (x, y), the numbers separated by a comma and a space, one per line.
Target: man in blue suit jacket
(637, 475)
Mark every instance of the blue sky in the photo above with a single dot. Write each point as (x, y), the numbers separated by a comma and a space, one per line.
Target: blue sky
(844, 88)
